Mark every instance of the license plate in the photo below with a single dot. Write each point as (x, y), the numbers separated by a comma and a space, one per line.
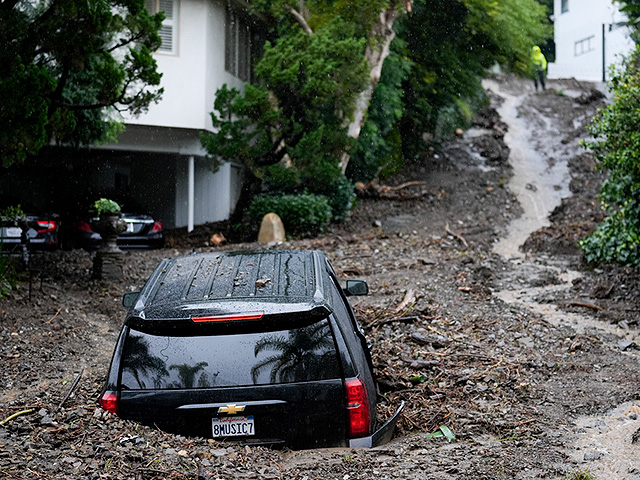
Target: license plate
(233, 426)
(12, 232)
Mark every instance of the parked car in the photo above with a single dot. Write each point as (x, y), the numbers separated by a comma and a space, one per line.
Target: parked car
(259, 347)
(142, 231)
(40, 232)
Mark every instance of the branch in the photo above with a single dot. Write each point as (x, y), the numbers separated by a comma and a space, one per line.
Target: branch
(15, 415)
(300, 19)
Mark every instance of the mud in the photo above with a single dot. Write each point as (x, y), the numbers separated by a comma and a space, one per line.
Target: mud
(529, 357)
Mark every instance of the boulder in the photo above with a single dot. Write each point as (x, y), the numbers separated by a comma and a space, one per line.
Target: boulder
(271, 229)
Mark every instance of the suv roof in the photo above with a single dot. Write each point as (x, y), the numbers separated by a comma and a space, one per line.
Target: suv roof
(210, 286)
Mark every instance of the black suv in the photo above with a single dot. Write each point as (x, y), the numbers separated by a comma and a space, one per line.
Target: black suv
(260, 347)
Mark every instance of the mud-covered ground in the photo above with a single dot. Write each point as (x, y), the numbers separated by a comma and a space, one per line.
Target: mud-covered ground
(532, 362)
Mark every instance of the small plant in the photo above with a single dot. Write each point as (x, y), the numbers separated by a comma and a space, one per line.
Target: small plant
(104, 206)
(586, 475)
(12, 213)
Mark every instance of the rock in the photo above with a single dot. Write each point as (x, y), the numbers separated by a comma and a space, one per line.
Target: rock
(624, 344)
(271, 229)
(217, 239)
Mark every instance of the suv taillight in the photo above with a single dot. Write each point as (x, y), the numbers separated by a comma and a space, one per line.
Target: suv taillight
(45, 226)
(359, 415)
(157, 227)
(109, 401)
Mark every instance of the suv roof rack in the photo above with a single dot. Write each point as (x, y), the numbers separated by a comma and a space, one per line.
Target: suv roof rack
(232, 284)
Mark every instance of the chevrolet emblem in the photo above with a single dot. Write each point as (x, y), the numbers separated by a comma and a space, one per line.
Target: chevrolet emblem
(231, 409)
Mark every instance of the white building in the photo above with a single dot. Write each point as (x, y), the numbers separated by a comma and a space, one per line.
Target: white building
(159, 159)
(158, 165)
(590, 35)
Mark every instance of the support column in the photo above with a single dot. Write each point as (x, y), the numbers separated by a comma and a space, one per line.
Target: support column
(191, 199)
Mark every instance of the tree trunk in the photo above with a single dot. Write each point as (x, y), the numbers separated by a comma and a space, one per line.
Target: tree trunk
(376, 54)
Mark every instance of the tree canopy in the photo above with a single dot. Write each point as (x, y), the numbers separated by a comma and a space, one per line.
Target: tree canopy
(432, 84)
(67, 67)
(332, 85)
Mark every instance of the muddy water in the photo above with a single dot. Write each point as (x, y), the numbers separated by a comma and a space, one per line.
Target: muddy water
(603, 443)
(538, 185)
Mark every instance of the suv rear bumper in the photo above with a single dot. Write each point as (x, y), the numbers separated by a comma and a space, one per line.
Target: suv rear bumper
(382, 435)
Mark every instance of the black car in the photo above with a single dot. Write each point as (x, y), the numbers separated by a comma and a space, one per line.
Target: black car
(37, 231)
(142, 231)
(259, 347)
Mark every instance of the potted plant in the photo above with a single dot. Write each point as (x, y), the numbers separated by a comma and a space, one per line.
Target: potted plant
(107, 264)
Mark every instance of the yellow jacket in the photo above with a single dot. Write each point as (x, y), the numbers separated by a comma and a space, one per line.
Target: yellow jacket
(539, 61)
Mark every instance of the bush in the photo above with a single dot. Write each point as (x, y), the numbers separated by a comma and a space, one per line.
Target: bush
(325, 178)
(304, 215)
(616, 146)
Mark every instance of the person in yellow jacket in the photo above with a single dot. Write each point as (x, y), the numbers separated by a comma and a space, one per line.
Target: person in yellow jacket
(539, 67)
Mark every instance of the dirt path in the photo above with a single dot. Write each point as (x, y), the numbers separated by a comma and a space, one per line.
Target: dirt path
(540, 181)
(527, 356)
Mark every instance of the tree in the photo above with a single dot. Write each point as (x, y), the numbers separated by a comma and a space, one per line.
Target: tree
(442, 52)
(306, 109)
(336, 83)
(616, 146)
(68, 67)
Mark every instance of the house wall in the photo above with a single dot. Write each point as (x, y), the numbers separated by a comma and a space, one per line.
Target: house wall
(580, 36)
(191, 78)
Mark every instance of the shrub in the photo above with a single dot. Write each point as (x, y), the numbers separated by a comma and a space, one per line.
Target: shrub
(325, 178)
(616, 146)
(303, 215)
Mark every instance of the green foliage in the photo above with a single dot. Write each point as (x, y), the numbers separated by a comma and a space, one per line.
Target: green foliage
(632, 10)
(581, 475)
(616, 146)
(326, 178)
(11, 213)
(67, 67)
(303, 215)
(452, 44)
(378, 152)
(290, 129)
(104, 206)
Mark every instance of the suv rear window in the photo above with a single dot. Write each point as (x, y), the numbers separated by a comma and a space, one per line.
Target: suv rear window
(258, 358)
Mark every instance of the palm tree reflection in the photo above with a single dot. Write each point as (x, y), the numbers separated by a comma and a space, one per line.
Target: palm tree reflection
(187, 374)
(141, 364)
(305, 353)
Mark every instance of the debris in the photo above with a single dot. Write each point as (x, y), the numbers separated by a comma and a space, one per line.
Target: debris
(586, 305)
(15, 415)
(456, 236)
(443, 431)
(408, 301)
(625, 344)
(217, 239)
(374, 190)
(70, 391)
(52, 318)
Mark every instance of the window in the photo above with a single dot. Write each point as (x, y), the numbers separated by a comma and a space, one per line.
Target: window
(169, 29)
(583, 46)
(564, 6)
(238, 45)
(163, 362)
